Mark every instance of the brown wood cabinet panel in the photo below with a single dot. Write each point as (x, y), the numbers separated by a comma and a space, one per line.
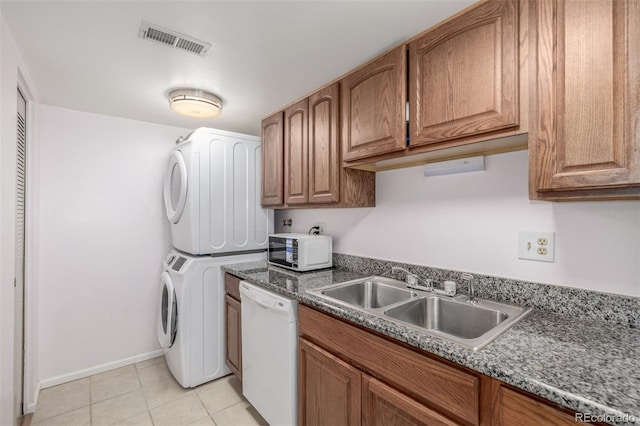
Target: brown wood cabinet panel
(233, 336)
(296, 155)
(516, 409)
(233, 328)
(232, 285)
(435, 383)
(587, 106)
(358, 188)
(373, 107)
(324, 154)
(384, 406)
(329, 388)
(464, 75)
(273, 160)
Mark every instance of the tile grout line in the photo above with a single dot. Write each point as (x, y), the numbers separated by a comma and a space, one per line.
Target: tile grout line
(144, 396)
(90, 402)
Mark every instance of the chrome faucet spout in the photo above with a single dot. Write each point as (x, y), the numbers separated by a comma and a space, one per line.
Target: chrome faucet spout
(471, 282)
(413, 280)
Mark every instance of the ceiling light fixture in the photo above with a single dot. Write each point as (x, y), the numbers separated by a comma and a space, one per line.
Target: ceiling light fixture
(195, 103)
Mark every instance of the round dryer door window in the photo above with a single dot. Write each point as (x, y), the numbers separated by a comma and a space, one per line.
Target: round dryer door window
(175, 187)
(168, 313)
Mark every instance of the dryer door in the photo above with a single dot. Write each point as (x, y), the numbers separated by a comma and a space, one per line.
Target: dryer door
(168, 312)
(175, 187)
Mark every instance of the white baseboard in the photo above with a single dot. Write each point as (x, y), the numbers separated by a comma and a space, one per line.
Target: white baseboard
(75, 375)
(31, 407)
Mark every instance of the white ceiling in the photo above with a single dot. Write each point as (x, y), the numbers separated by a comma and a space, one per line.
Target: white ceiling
(86, 55)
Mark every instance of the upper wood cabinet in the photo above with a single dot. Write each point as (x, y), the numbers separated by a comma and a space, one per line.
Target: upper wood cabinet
(373, 107)
(296, 156)
(585, 141)
(311, 156)
(463, 77)
(311, 173)
(324, 145)
(272, 160)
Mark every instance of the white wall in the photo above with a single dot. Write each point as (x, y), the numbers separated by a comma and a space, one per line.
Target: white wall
(471, 221)
(103, 237)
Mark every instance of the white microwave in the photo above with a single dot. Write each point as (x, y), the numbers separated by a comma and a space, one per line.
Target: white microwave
(300, 252)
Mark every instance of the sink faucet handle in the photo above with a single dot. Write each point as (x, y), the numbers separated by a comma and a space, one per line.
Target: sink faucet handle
(410, 278)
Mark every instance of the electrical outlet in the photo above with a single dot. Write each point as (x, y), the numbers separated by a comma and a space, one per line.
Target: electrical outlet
(536, 246)
(322, 226)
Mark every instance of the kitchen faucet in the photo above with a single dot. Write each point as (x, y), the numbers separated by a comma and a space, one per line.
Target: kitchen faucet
(412, 280)
(471, 281)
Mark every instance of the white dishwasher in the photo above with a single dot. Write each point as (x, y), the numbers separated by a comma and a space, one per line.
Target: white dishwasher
(269, 354)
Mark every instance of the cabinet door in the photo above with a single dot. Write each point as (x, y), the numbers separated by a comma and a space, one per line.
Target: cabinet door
(324, 157)
(373, 107)
(384, 406)
(272, 161)
(233, 336)
(328, 388)
(586, 133)
(464, 75)
(296, 156)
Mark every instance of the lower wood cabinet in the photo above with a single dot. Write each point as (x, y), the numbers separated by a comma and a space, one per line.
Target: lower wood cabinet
(233, 328)
(513, 408)
(329, 388)
(383, 405)
(406, 381)
(351, 376)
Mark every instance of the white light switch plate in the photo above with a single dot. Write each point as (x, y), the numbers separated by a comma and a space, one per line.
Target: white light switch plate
(538, 246)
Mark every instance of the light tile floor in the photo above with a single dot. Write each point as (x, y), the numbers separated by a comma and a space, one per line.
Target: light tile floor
(144, 394)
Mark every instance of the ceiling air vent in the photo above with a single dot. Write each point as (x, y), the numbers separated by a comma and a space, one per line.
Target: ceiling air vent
(172, 38)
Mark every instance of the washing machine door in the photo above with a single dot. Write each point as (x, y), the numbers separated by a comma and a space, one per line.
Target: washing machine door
(168, 313)
(175, 187)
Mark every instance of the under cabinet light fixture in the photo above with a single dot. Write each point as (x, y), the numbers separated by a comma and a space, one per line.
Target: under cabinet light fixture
(195, 103)
(461, 165)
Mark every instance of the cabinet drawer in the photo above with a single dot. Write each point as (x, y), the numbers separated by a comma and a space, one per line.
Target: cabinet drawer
(232, 286)
(438, 385)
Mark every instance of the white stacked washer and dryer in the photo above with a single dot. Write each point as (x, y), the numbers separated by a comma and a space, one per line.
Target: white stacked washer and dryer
(212, 201)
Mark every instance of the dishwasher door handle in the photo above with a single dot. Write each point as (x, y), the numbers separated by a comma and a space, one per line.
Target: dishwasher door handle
(262, 299)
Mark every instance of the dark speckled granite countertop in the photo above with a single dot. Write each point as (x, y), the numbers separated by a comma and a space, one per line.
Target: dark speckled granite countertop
(587, 366)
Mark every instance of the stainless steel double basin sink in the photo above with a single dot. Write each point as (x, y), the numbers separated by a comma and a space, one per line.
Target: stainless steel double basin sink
(451, 318)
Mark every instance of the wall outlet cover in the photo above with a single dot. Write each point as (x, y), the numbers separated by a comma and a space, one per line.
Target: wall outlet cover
(322, 226)
(539, 246)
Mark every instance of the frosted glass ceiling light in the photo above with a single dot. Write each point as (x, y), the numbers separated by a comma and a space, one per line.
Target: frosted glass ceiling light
(195, 103)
